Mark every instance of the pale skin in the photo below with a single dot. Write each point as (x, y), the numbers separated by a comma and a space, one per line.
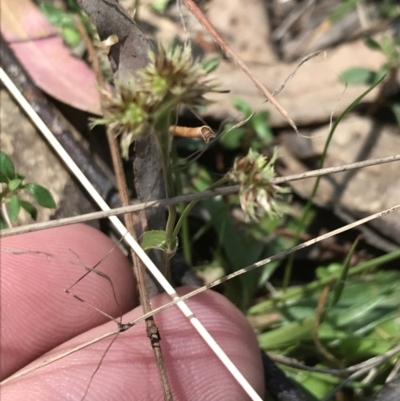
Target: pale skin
(39, 317)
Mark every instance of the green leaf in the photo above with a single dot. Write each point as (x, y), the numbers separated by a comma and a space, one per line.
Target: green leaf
(372, 43)
(14, 208)
(3, 224)
(316, 385)
(71, 36)
(65, 20)
(339, 286)
(159, 5)
(7, 170)
(342, 9)
(390, 51)
(73, 6)
(14, 184)
(211, 65)
(154, 239)
(286, 334)
(261, 127)
(358, 76)
(42, 196)
(396, 111)
(242, 106)
(233, 139)
(29, 208)
(56, 16)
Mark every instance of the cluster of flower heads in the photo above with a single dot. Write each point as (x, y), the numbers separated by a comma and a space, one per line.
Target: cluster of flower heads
(258, 196)
(170, 78)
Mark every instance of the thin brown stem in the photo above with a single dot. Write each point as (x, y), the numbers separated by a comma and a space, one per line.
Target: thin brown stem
(192, 7)
(318, 320)
(131, 223)
(139, 268)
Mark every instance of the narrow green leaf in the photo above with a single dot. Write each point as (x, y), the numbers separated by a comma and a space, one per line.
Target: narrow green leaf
(339, 286)
(306, 210)
(154, 239)
(211, 65)
(42, 196)
(29, 208)
(7, 170)
(358, 76)
(295, 292)
(13, 208)
(14, 184)
(287, 334)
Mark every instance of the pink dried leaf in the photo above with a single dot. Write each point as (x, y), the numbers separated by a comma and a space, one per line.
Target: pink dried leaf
(48, 61)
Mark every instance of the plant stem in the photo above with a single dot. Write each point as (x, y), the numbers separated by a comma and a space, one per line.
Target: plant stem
(190, 206)
(162, 126)
(130, 219)
(303, 222)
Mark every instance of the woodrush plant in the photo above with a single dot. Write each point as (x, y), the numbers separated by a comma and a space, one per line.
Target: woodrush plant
(147, 106)
(258, 196)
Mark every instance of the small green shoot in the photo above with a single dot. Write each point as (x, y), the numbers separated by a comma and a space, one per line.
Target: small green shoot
(364, 76)
(12, 185)
(342, 9)
(359, 76)
(155, 239)
(255, 133)
(63, 20)
(159, 5)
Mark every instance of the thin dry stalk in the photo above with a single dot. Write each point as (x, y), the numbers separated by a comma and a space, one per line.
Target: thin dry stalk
(204, 132)
(317, 321)
(192, 7)
(368, 364)
(131, 223)
(191, 197)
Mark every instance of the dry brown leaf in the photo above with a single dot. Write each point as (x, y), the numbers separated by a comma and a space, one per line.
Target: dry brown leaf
(47, 60)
